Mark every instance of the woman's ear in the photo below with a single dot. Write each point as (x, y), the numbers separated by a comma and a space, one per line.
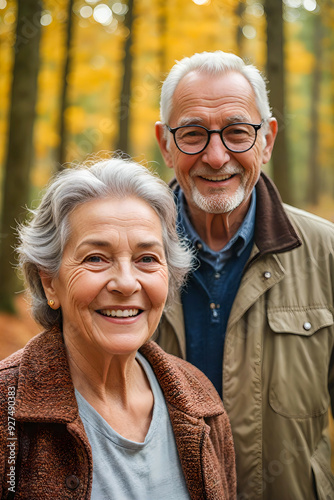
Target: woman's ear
(50, 292)
(160, 133)
(270, 137)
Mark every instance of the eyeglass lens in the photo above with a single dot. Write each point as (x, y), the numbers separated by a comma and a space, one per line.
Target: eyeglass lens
(237, 137)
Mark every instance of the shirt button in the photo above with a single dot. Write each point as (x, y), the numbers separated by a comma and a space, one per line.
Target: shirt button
(199, 246)
(267, 275)
(212, 305)
(217, 276)
(307, 326)
(72, 482)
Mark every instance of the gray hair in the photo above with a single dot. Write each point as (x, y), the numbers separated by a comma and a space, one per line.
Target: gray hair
(42, 240)
(214, 63)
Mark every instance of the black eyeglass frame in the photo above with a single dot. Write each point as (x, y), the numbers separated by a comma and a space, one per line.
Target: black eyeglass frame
(220, 132)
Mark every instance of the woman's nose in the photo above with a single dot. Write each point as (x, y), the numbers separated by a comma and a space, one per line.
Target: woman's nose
(123, 279)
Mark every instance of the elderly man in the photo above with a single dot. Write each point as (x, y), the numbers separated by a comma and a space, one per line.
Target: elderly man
(257, 313)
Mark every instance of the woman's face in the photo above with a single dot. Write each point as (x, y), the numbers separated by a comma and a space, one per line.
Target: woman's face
(113, 279)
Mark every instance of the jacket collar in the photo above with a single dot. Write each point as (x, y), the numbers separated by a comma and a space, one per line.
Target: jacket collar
(45, 391)
(186, 394)
(274, 233)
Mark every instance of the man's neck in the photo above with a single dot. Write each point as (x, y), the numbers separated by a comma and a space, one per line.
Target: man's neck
(216, 230)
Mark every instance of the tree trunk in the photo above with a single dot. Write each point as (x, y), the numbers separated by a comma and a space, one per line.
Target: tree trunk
(276, 77)
(240, 10)
(61, 153)
(124, 107)
(16, 183)
(314, 176)
(162, 29)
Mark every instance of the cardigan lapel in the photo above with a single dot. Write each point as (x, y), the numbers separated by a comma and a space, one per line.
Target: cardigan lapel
(189, 435)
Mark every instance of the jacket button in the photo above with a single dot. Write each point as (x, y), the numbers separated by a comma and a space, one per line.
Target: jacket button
(267, 275)
(307, 326)
(72, 482)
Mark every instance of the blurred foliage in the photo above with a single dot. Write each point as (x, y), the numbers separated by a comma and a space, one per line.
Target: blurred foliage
(162, 33)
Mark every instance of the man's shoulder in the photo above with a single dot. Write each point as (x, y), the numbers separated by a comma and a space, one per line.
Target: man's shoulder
(308, 217)
(309, 224)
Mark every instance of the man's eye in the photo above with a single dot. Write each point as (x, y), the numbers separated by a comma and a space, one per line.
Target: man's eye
(237, 131)
(191, 132)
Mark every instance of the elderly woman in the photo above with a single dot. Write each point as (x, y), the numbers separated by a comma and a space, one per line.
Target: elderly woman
(91, 407)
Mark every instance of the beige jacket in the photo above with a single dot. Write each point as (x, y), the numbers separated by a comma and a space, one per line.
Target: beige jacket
(278, 370)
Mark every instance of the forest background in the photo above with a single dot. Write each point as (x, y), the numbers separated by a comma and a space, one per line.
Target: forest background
(82, 76)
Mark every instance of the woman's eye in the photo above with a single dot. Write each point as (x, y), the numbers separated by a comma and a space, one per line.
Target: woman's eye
(147, 259)
(94, 258)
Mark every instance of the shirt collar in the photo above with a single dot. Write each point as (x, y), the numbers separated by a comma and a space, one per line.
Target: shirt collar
(237, 243)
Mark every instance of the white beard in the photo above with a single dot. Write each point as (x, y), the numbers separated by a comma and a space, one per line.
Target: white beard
(217, 203)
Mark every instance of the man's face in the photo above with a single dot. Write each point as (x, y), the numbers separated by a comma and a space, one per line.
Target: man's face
(216, 180)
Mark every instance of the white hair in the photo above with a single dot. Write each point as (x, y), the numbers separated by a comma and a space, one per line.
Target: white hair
(43, 239)
(214, 63)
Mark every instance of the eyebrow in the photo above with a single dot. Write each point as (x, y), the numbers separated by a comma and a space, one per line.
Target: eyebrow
(195, 120)
(150, 244)
(238, 119)
(94, 243)
(107, 244)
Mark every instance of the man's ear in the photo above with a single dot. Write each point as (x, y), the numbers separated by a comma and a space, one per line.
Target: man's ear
(270, 139)
(162, 141)
(49, 290)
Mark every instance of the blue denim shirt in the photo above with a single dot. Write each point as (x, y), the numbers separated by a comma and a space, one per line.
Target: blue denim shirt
(208, 296)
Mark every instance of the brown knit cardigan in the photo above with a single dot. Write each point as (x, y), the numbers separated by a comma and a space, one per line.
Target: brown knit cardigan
(52, 459)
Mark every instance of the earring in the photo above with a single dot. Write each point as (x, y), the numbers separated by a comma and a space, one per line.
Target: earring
(51, 303)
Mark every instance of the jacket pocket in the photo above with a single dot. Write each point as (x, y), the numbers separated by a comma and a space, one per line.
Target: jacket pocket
(324, 479)
(301, 353)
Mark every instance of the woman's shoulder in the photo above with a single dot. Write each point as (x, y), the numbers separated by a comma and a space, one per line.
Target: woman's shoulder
(9, 375)
(9, 371)
(11, 361)
(33, 349)
(14, 359)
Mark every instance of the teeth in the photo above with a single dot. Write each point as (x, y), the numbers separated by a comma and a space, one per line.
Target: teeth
(120, 313)
(219, 178)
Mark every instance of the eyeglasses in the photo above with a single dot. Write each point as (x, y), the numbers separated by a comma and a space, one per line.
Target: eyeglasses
(193, 139)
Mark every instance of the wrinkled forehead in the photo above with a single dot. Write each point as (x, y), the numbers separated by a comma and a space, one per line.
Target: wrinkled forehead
(201, 94)
(111, 215)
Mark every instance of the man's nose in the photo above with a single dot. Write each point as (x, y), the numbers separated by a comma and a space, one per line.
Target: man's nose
(216, 154)
(123, 279)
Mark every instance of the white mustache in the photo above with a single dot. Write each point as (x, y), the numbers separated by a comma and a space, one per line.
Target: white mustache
(228, 170)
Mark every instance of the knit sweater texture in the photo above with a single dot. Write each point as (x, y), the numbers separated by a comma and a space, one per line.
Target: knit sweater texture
(45, 453)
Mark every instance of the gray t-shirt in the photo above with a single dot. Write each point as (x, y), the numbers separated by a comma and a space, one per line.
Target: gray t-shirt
(126, 470)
